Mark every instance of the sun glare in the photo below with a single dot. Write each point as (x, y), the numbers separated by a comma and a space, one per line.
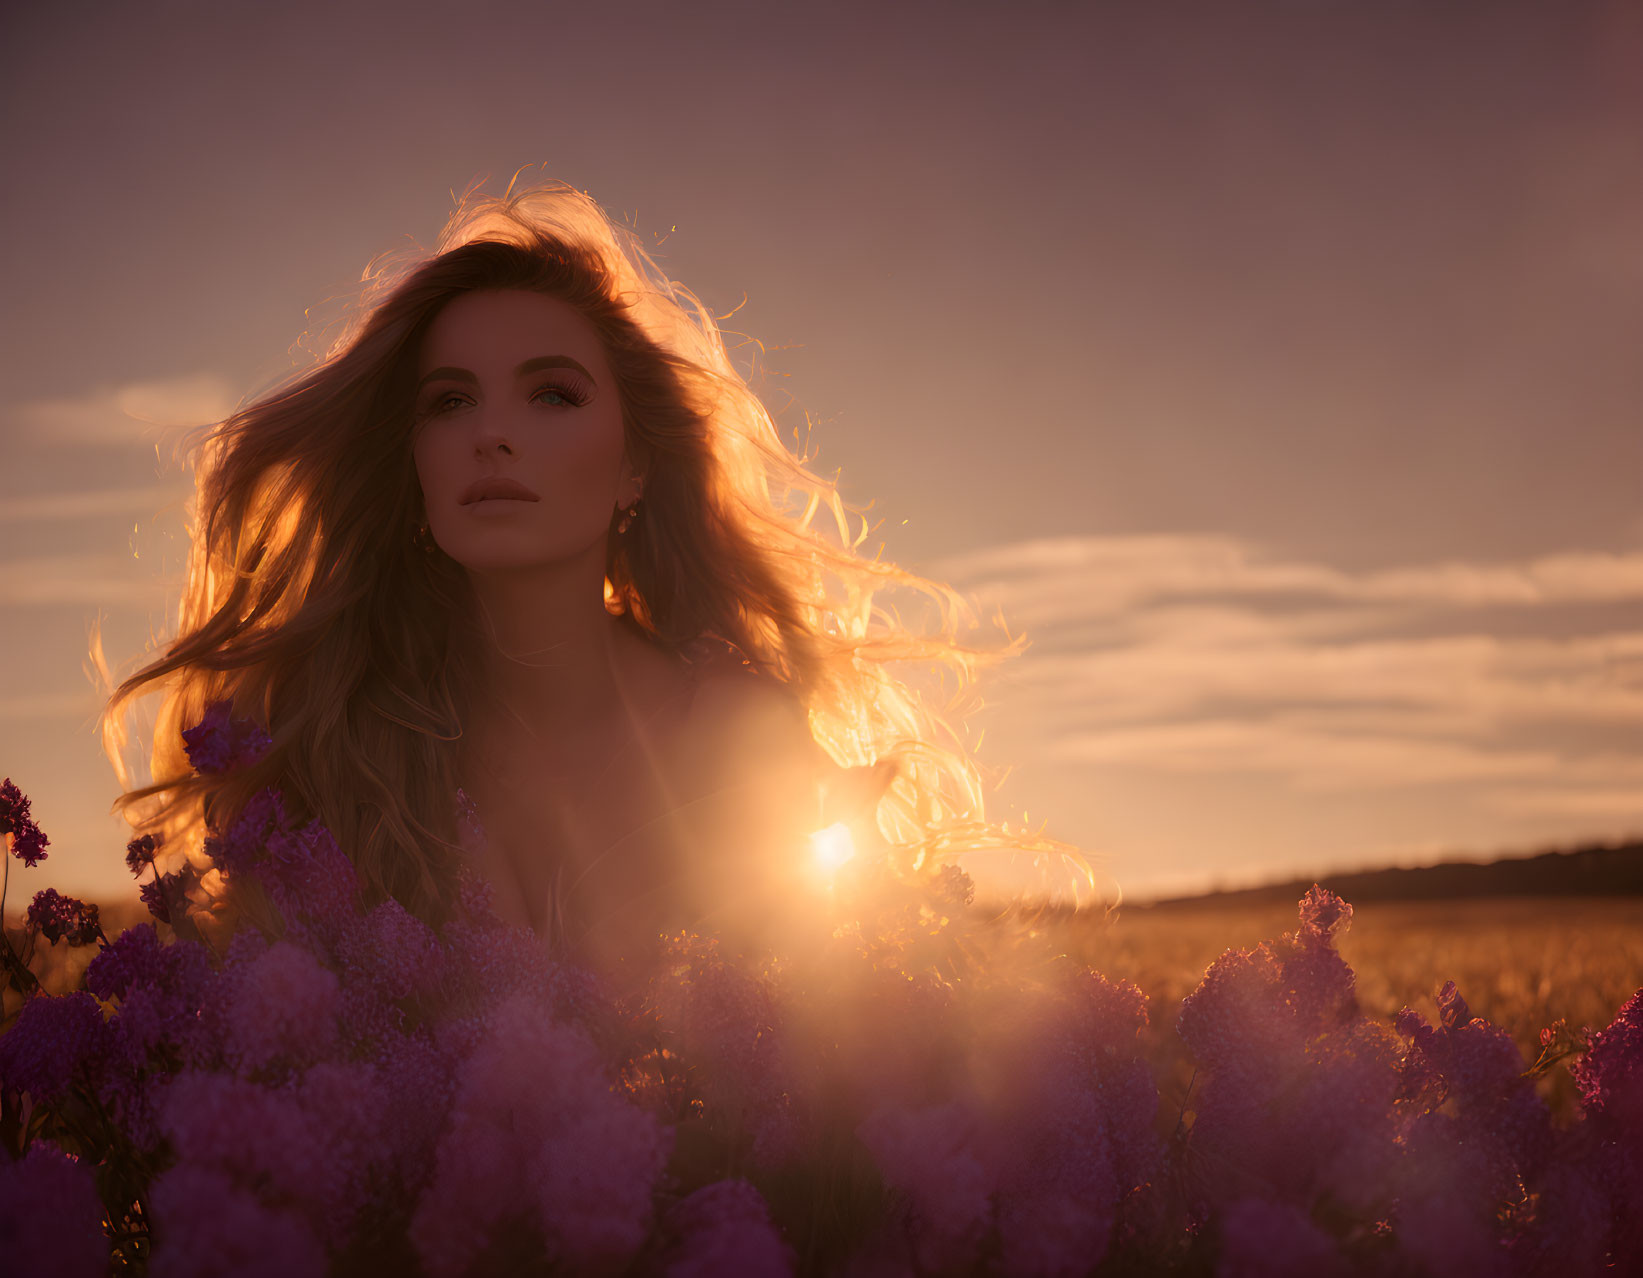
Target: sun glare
(833, 846)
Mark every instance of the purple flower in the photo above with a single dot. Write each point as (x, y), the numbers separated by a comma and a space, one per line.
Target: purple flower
(1299, 1086)
(140, 854)
(51, 1220)
(1322, 912)
(27, 839)
(311, 1144)
(306, 875)
(727, 1023)
(157, 1026)
(1447, 1219)
(221, 743)
(55, 1038)
(417, 1081)
(487, 962)
(393, 952)
(1047, 1060)
(1262, 1239)
(929, 1157)
(893, 1032)
(1610, 1073)
(725, 1228)
(1269, 1001)
(1236, 1019)
(312, 883)
(133, 956)
(282, 1006)
(1474, 1069)
(537, 1139)
(206, 1226)
(170, 891)
(154, 1032)
(63, 918)
(244, 843)
(1609, 1160)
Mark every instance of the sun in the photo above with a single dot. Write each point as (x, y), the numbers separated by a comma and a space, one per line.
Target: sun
(832, 847)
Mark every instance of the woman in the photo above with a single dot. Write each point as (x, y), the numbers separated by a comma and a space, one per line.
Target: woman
(521, 573)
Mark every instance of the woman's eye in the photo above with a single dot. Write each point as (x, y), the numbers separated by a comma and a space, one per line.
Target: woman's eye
(569, 396)
(434, 407)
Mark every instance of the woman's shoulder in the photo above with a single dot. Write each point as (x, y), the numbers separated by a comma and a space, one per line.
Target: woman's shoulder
(735, 707)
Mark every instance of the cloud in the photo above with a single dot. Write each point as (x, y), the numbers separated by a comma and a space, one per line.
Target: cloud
(1175, 665)
(94, 579)
(93, 503)
(136, 412)
(1207, 656)
(47, 706)
(1622, 807)
(1057, 580)
(1310, 759)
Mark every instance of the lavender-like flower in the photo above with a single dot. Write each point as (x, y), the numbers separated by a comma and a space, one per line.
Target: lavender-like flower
(135, 956)
(537, 1137)
(50, 1215)
(280, 1007)
(930, 1158)
(28, 841)
(309, 879)
(63, 918)
(207, 1226)
(140, 854)
(311, 1144)
(1299, 1084)
(1605, 1182)
(221, 743)
(56, 1037)
(156, 1029)
(1262, 1239)
(392, 952)
(725, 1228)
(167, 892)
(1610, 1074)
(728, 1023)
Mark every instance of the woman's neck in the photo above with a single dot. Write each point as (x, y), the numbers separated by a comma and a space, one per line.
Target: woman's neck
(551, 660)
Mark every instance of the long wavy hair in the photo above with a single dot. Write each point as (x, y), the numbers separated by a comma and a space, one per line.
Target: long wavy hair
(310, 607)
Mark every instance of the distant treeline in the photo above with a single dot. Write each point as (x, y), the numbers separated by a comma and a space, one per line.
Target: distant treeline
(1597, 870)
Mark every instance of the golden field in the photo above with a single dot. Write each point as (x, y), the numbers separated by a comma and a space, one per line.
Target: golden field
(1520, 962)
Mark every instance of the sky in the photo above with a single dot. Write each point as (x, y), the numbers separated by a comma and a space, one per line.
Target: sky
(1273, 366)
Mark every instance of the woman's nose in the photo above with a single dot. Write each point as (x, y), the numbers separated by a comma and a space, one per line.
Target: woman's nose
(489, 437)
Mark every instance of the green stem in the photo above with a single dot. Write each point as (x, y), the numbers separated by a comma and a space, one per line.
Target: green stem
(26, 981)
(28, 984)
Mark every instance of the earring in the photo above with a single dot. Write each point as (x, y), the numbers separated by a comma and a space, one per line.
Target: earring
(421, 540)
(628, 516)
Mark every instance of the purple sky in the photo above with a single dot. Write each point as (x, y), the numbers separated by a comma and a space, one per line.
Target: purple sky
(1275, 365)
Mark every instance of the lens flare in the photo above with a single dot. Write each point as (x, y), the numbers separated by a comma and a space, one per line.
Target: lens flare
(832, 847)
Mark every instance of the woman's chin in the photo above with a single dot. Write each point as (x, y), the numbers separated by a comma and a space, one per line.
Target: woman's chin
(500, 555)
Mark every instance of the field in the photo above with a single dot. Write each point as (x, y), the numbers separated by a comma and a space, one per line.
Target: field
(1520, 962)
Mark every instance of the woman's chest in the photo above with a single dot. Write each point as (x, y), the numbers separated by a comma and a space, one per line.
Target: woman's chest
(571, 849)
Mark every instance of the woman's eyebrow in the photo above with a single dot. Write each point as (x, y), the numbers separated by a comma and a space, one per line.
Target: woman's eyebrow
(529, 366)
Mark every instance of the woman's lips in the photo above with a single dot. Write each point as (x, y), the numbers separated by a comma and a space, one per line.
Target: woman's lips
(496, 488)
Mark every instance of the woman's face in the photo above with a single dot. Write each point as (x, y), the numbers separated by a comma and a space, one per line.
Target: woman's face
(513, 394)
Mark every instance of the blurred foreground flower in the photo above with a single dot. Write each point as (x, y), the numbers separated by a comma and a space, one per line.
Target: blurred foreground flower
(358, 1092)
